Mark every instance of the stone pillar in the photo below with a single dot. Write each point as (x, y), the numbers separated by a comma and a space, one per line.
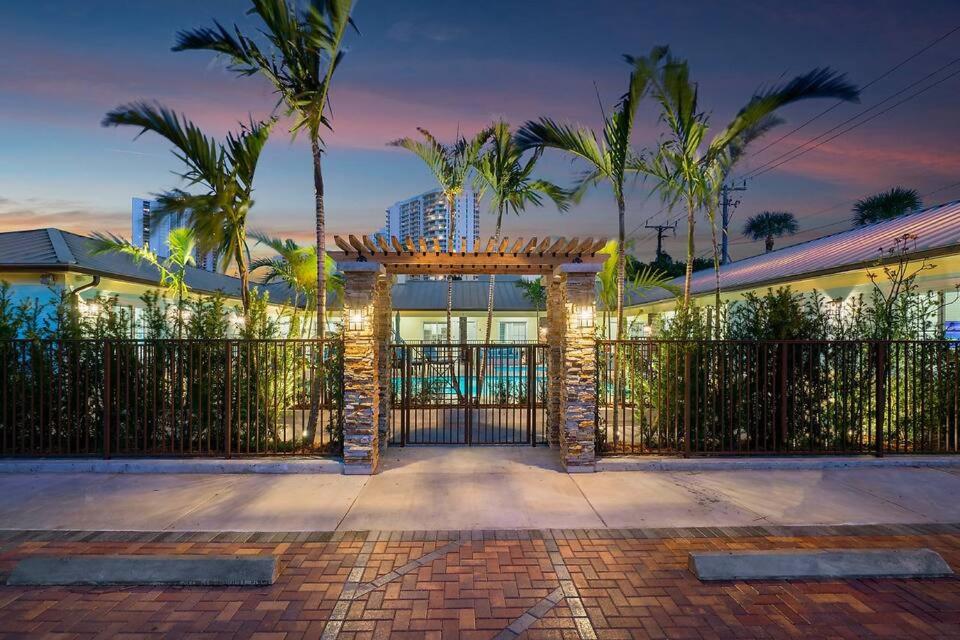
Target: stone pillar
(578, 425)
(382, 332)
(361, 384)
(556, 329)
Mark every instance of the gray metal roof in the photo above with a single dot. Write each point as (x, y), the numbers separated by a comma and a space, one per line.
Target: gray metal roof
(468, 295)
(56, 249)
(937, 230)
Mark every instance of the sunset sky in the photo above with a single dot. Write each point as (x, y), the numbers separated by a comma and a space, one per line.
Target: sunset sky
(451, 64)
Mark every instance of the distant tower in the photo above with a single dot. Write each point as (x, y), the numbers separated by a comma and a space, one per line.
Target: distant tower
(151, 232)
(425, 216)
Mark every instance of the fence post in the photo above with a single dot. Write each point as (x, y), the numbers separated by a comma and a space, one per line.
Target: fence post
(686, 400)
(107, 357)
(783, 396)
(228, 399)
(881, 382)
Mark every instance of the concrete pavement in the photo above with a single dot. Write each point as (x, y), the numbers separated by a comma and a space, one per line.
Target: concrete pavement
(478, 488)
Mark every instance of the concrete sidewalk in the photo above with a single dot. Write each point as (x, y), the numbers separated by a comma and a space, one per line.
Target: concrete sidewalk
(478, 488)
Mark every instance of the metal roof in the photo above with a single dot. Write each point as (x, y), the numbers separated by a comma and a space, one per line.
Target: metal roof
(56, 249)
(937, 231)
(468, 295)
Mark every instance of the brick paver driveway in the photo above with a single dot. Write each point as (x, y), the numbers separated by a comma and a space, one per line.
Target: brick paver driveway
(506, 584)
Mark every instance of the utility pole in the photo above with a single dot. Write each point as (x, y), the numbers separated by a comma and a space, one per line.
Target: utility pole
(725, 205)
(661, 231)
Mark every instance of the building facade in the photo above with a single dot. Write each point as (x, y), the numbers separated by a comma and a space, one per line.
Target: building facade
(151, 231)
(425, 216)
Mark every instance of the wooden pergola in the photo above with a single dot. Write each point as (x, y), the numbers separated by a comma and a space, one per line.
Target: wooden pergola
(533, 256)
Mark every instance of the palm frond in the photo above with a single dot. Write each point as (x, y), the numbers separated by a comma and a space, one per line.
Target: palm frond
(200, 153)
(580, 142)
(818, 83)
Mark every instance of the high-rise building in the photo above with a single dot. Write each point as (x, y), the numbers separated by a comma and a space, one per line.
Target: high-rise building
(425, 216)
(151, 231)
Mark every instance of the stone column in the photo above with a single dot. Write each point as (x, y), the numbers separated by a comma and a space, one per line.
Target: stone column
(556, 329)
(361, 384)
(382, 332)
(578, 425)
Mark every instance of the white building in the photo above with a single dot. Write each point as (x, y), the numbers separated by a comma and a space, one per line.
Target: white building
(425, 216)
(152, 231)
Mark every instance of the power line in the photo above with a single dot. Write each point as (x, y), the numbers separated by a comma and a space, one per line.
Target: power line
(768, 167)
(866, 86)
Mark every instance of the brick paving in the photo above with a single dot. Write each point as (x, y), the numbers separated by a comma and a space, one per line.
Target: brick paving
(503, 584)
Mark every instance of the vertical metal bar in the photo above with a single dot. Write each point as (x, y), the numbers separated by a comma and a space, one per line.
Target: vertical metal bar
(686, 400)
(783, 397)
(106, 398)
(228, 398)
(468, 351)
(881, 385)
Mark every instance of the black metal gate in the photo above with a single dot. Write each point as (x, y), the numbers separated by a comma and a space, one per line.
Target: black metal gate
(468, 393)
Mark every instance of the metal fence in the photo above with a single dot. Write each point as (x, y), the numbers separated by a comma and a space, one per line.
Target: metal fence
(467, 393)
(170, 397)
(764, 397)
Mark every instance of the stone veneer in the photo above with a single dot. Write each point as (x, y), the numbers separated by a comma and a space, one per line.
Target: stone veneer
(361, 375)
(382, 307)
(556, 330)
(578, 425)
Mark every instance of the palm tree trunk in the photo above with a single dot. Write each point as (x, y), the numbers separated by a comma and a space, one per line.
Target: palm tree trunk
(621, 276)
(243, 272)
(451, 234)
(769, 244)
(716, 273)
(490, 294)
(621, 265)
(688, 276)
(321, 293)
(321, 238)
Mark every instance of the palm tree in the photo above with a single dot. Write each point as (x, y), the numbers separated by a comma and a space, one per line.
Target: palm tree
(768, 225)
(609, 156)
(503, 172)
(535, 293)
(223, 171)
(689, 171)
(643, 278)
(172, 269)
(884, 206)
(451, 166)
(304, 49)
(296, 266)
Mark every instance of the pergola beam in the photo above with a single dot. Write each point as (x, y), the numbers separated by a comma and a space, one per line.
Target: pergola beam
(517, 257)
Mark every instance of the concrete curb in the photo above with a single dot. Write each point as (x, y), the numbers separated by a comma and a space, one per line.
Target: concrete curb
(145, 570)
(182, 465)
(818, 564)
(657, 463)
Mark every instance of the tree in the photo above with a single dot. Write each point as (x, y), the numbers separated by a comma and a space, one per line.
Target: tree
(640, 278)
(296, 266)
(502, 172)
(884, 206)
(224, 173)
(451, 166)
(535, 293)
(768, 225)
(304, 49)
(689, 171)
(609, 157)
(181, 243)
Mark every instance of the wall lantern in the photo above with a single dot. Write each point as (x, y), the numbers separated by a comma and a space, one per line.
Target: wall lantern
(357, 320)
(584, 315)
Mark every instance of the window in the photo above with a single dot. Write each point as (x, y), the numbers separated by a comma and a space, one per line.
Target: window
(435, 331)
(513, 331)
